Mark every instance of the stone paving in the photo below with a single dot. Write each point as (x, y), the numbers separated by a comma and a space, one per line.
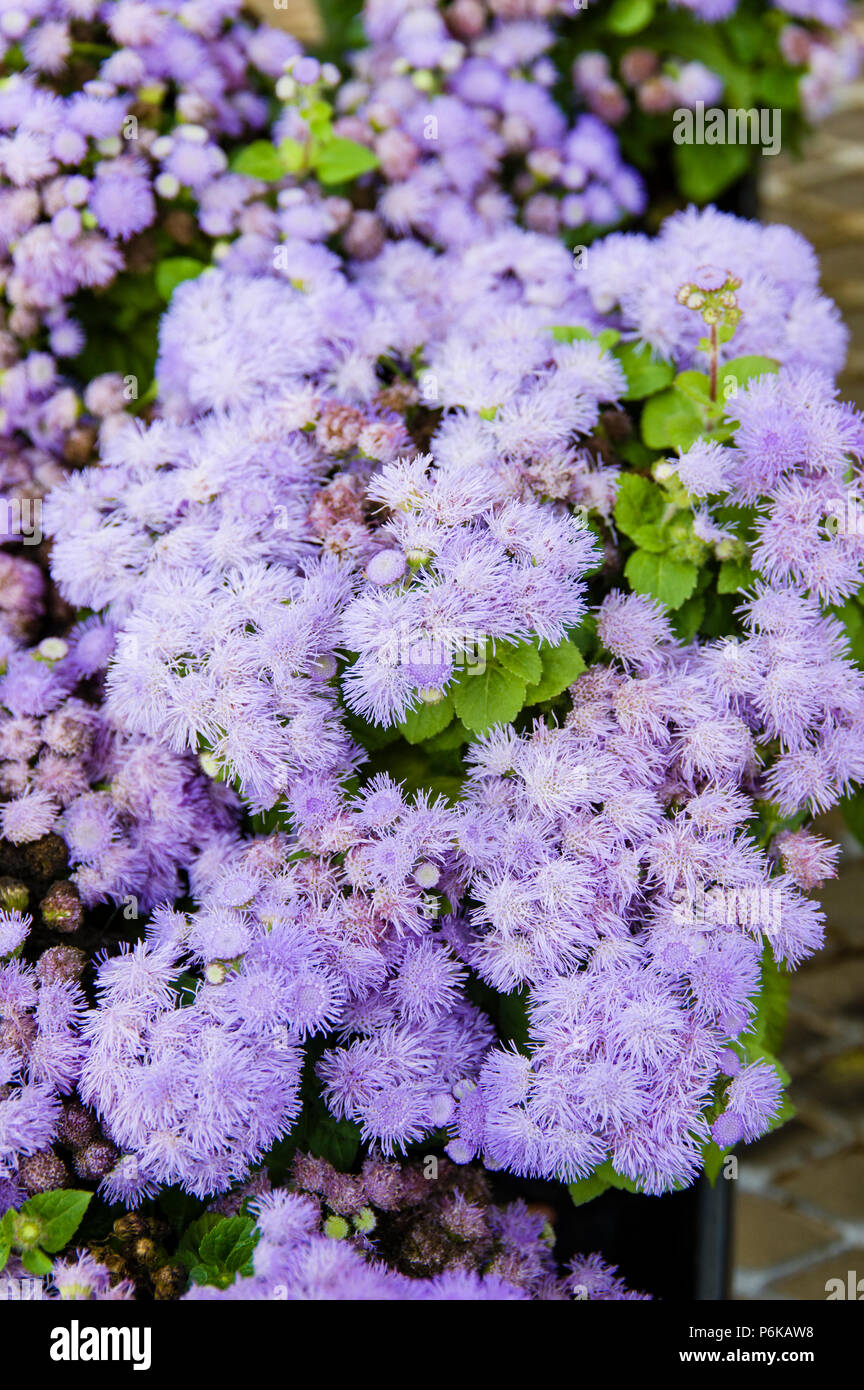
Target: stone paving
(799, 1209)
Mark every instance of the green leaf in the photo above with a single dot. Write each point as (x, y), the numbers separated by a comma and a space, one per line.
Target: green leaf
(292, 155)
(696, 385)
(566, 333)
(653, 538)
(260, 160)
(743, 369)
(645, 373)
(603, 1177)
(778, 87)
(427, 721)
(704, 171)
(341, 160)
(453, 737)
(335, 1140)
(769, 1025)
(713, 1158)
(521, 659)
(640, 502)
(172, 272)
(851, 616)
(629, 16)
(227, 1248)
(688, 619)
(672, 581)
(735, 575)
(6, 1237)
(670, 418)
(37, 1262)
(492, 697)
(561, 666)
(633, 451)
(586, 1189)
(59, 1215)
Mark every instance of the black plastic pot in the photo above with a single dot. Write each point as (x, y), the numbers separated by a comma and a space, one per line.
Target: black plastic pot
(675, 1247)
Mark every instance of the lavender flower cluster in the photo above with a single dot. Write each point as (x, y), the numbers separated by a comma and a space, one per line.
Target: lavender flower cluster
(572, 867)
(817, 36)
(115, 118)
(378, 504)
(134, 817)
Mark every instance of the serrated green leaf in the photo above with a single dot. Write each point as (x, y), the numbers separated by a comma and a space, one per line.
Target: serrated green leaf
(670, 419)
(645, 373)
(640, 502)
(260, 160)
(522, 659)
(735, 575)
(427, 721)
(172, 272)
(653, 538)
(672, 581)
(227, 1248)
(341, 160)
(59, 1215)
(190, 1241)
(561, 666)
(492, 697)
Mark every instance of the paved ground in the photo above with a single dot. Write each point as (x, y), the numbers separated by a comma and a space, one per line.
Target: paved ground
(799, 1213)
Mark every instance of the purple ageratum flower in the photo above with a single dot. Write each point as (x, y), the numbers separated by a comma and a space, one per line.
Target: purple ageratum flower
(86, 1278)
(13, 930)
(634, 629)
(121, 199)
(752, 1101)
(638, 278)
(28, 817)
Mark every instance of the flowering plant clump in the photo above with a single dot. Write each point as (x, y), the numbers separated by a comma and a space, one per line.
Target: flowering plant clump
(633, 66)
(637, 66)
(440, 671)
